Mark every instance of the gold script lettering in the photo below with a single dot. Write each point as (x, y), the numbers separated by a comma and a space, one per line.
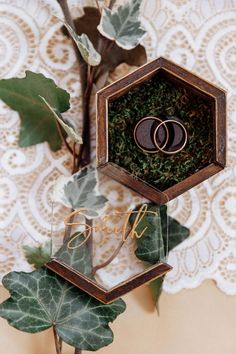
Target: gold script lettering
(103, 228)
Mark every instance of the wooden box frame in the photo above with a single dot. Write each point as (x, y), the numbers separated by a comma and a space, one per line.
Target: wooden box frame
(185, 79)
(99, 292)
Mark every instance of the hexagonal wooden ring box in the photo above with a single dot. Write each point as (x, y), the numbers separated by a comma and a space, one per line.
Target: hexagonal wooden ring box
(161, 89)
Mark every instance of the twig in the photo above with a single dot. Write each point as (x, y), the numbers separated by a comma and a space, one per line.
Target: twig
(74, 159)
(90, 241)
(105, 47)
(77, 351)
(86, 88)
(60, 343)
(98, 6)
(57, 344)
(113, 256)
(112, 3)
(83, 66)
(84, 153)
(63, 138)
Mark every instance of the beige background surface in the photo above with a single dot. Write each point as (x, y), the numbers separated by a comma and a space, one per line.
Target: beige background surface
(199, 321)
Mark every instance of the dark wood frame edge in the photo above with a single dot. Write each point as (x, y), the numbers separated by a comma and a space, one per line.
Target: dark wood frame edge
(100, 293)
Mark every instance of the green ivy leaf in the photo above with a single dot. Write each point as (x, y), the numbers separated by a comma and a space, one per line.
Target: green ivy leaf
(156, 289)
(85, 46)
(172, 228)
(81, 191)
(70, 131)
(77, 257)
(41, 299)
(122, 25)
(22, 95)
(88, 24)
(148, 246)
(38, 255)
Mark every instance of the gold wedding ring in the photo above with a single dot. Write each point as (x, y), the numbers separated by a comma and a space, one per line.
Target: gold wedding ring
(183, 142)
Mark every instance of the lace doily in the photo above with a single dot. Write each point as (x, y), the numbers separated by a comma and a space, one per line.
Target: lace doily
(199, 35)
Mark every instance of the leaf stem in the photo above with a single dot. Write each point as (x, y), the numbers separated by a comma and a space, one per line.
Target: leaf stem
(86, 89)
(112, 3)
(60, 343)
(98, 6)
(113, 256)
(77, 351)
(74, 159)
(56, 340)
(63, 138)
(83, 66)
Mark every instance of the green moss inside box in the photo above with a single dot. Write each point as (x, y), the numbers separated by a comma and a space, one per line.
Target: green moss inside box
(159, 96)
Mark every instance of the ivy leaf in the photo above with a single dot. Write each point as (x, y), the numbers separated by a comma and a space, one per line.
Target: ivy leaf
(81, 191)
(150, 247)
(41, 299)
(77, 257)
(122, 25)
(88, 24)
(39, 255)
(148, 250)
(75, 137)
(85, 46)
(172, 229)
(22, 95)
(156, 289)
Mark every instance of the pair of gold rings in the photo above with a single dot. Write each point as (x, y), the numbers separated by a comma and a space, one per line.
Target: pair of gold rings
(153, 134)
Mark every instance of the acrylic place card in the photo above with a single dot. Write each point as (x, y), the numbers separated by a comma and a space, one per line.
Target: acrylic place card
(101, 243)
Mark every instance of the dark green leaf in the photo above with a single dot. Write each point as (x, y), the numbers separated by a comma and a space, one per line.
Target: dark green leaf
(123, 25)
(176, 232)
(161, 230)
(39, 255)
(172, 233)
(76, 256)
(150, 247)
(156, 289)
(41, 299)
(88, 24)
(37, 122)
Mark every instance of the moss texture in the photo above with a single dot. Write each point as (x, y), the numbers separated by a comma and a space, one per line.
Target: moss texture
(156, 97)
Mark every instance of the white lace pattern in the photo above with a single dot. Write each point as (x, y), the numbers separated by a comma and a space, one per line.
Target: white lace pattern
(198, 34)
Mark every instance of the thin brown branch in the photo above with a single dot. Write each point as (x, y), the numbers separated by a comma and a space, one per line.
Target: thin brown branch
(83, 66)
(60, 343)
(85, 148)
(98, 6)
(63, 138)
(56, 340)
(106, 46)
(113, 256)
(74, 159)
(84, 154)
(78, 351)
(111, 4)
